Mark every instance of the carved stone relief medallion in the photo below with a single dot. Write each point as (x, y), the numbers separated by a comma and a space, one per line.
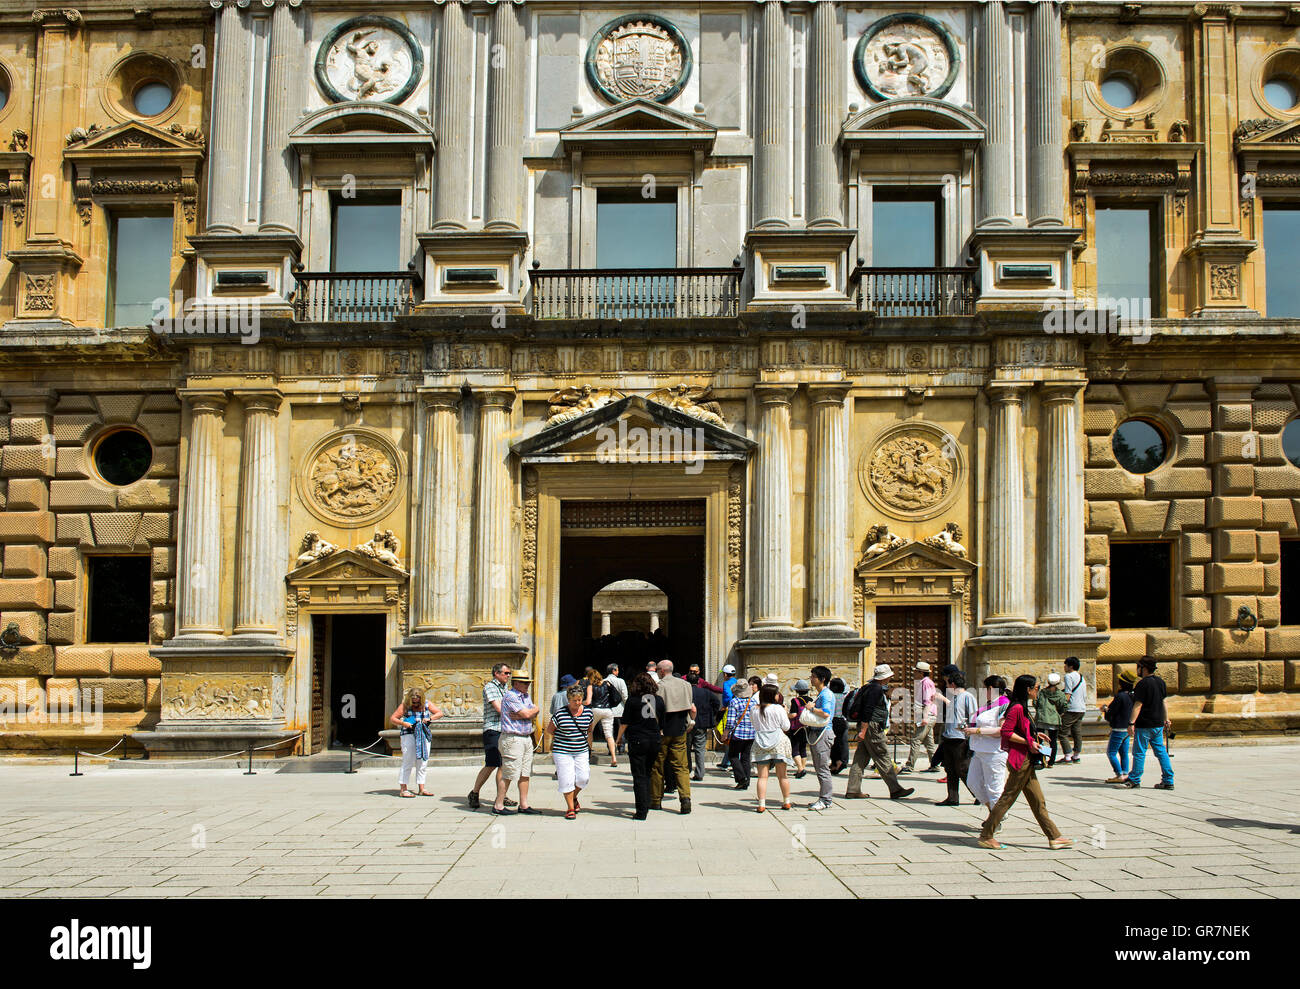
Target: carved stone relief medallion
(638, 57)
(372, 58)
(906, 55)
(351, 477)
(912, 470)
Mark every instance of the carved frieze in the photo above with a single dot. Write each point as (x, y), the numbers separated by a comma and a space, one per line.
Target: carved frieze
(693, 400)
(735, 525)
(39, 293)
(457, 693)
(906, 55)
(570, 403)
(195, 697)
(1225, 281)
(528, 549)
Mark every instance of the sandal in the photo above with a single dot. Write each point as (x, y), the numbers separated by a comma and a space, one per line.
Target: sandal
(761, 809)
(1061, 843)
(569, 815)
(786, 807)
(990, 843)
(406, 793)
(425, 793)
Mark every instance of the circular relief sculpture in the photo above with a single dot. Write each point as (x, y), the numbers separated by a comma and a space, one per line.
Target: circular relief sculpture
(1139, 446)
(912, 471)
(638, 57)
(351, 477)
(906, 55)
(371, 58)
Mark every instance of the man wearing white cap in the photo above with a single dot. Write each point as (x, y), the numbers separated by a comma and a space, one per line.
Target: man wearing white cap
(1052, 702)
(926, 714)
(871, 711)
(728, 692)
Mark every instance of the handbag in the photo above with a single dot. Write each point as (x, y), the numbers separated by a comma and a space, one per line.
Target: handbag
(809, 718)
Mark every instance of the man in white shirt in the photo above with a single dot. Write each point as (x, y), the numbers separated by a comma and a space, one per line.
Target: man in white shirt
(616, 683)
(1071, 730)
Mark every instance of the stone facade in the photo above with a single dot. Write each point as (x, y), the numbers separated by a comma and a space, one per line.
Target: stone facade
(407, 443)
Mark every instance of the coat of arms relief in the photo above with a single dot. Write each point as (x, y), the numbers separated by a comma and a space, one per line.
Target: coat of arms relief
(640, 57)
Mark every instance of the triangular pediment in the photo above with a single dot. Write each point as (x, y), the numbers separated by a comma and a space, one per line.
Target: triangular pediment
(362, 122)
(915, 558)
(346, 566)
(638, 122)
(132, 137)
(916, 119)
(633, 429)
(1265, 131)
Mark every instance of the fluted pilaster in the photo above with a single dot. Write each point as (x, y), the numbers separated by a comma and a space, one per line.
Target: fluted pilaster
(1006, 507)
(825, 105)
(1061, 572)
(284, 104)
(994, 86)
(200, 566)
(772, 142)
(435, 572)
(230, 108)
(771, 545)
(260, 572)
(505, 118)
(1046, 151)
(829, 579)
(455, 68)
(493, 536)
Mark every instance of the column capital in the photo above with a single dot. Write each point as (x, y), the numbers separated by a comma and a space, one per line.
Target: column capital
(439, 398)
(774, 394)
(1008, 391)
(1062, 391)
(209, 401)
(828, 392)
(259, 399)
(492, 398)
(57, 17)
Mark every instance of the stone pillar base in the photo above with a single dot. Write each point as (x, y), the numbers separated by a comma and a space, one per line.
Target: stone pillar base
(791, 657)
(452, 671)
(219, 694)
(1034, 649)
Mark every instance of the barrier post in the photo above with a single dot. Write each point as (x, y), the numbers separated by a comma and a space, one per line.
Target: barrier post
(250, 761)
(351, 749)
(75, 769)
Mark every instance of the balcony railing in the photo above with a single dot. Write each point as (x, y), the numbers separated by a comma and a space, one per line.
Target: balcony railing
(636, 293)
(353, 296)
(916, 291)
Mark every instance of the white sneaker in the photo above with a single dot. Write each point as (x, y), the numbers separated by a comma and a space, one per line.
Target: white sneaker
(818, 805)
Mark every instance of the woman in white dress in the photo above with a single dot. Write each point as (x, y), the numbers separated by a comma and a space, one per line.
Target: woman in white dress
(988, 768)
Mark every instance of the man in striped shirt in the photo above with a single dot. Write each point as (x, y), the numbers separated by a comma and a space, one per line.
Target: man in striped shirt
(493, 693)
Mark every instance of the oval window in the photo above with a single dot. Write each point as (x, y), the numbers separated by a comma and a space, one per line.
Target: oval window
(1139, 446)
(1119, 91)
(4, 94)
(152, 99)
(1291, 441)
(1281, 93)
(123, 457)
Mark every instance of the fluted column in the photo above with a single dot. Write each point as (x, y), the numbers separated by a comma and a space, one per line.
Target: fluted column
(772, 142)
(230, 109)
(829, 578)
(435, 571)
(994, 87)
(200, 566)
(1006, 522)
(259, 582)
(283, 105)
(1061, 573)
(825, 104)
(493, 535)
(505, 118)
(1046, 151)
(455, 69)
(771, 545)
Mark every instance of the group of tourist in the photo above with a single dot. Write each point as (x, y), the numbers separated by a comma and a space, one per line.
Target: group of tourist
(994, 740)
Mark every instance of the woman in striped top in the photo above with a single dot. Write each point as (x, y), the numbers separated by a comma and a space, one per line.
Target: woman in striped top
(570, 733)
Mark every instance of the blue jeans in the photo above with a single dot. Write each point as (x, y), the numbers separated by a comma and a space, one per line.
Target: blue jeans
(1117, 752)
(1154, 737)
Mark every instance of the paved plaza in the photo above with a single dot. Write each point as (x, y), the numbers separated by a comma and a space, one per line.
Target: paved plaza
(1230, 829)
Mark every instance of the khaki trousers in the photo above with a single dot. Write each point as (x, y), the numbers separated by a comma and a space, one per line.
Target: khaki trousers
(670, 758)
(873, 749)
(1020, 779)
(922, 739)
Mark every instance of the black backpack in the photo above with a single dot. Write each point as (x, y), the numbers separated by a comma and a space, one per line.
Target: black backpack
(851, 712)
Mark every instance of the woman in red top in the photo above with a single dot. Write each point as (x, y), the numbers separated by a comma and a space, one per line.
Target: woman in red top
(1019, 740)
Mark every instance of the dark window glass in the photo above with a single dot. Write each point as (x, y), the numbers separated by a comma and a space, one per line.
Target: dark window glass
(1282, 260)
(1140, 585)
(1124, 254)
(635, 232)
(904, 228)
(1291, 441)
(139, 271)
(119, 599)
(368, 233)
(123, 457)
(1139, 447)
(1291, 581)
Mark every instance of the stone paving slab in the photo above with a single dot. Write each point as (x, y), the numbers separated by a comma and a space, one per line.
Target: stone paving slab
(1231, 829)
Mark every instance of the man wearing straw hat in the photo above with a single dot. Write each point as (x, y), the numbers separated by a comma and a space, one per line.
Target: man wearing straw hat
(518, 712)
(871, 711)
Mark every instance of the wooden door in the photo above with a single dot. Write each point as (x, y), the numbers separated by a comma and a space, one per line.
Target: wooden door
(319, 643)
(906, 636)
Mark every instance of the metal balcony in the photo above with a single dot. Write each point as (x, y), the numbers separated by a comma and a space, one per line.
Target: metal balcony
(915, 291)
(636, 293)
(353, 296)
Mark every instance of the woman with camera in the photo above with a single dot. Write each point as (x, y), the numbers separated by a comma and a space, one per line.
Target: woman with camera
(1023, 747)
(413, 716)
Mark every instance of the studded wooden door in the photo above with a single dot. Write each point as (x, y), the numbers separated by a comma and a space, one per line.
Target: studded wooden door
(319, 642)
(906, 636)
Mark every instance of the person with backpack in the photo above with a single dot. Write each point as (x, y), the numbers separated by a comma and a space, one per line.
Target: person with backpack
(708, 708)
(871, 710)
(1148, 726)
(798, 733)
(1076, 688)
(604, 697)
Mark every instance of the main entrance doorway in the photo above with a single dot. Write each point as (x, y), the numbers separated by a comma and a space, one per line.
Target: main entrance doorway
(347, 686)
(647, 553)
(906, 636)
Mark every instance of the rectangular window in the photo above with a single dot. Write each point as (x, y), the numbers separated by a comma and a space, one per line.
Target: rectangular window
(1282, 260)
(633, 232)
(1291, 581)
(139, 267)
(118, 598)
(367, 233)
(905, 227)
(1141, 585)
(1125, 265)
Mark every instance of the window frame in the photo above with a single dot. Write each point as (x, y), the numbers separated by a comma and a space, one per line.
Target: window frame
(88, 597)
(1154, 208)
(1290, 203)
(1282, 580)
(1171, 583)
(113, 215)
(395, 197)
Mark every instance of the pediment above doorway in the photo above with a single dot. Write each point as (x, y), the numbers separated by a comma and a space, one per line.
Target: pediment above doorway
(916, 558)
(345, 580)
(633, 429)
(346, 565)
